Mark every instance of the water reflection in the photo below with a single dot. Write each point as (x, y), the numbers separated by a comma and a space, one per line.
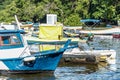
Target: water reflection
(101, 71)
(73, 69)
(41, 76)
(106, 43)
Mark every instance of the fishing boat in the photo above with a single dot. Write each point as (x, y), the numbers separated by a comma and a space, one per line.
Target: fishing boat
(15, 56)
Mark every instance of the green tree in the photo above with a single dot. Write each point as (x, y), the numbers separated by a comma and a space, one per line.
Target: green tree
(73, 20)
(66, 10)
(8, 12)
(105, 9)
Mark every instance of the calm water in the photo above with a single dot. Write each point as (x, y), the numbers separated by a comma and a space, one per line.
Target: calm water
(77, 71)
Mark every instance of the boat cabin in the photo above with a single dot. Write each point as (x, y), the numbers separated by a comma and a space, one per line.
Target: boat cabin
(10, 39)
(12, 44)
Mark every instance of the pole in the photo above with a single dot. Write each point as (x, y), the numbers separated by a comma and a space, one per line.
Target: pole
(18, 24)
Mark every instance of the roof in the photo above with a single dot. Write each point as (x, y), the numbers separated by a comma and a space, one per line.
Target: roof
(90, 20)
(11, 31)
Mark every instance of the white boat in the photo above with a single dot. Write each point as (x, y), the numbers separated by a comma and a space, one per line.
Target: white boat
(84, 51)
(109, 31)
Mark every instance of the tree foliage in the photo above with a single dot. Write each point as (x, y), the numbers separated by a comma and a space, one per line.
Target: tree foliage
(69, 11)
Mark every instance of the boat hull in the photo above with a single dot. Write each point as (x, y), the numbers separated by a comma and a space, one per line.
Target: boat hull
(25, 71)
(75, 54)
(42, 63)
(109, 31)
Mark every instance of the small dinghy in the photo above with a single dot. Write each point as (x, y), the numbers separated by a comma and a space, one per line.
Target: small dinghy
(83, 51)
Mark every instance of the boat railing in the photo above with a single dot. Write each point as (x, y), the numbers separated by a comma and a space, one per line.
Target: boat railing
(43, 47)
(39, 47)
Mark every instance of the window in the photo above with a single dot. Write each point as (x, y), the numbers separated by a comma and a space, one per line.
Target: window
(9, 40)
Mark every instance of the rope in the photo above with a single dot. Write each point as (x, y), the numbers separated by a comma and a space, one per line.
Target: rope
(23, 51)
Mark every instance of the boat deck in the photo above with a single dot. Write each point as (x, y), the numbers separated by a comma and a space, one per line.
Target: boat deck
(32, 40)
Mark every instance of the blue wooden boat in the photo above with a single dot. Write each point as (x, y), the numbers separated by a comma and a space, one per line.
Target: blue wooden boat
(15, 56)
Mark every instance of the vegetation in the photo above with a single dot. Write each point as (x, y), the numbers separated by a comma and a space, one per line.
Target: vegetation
(70, 12)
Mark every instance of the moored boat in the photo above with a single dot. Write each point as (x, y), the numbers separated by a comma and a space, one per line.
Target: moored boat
(15, 56)
(84, 53)
(109, 31)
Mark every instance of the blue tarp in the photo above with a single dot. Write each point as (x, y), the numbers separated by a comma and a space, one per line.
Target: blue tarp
(90, 20)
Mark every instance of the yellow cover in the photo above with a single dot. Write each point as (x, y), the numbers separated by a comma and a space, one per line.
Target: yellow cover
(51, 32)
(49, 47)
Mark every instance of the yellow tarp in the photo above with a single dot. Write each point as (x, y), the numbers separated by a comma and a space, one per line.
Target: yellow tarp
(49, 47)
(51, 32)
